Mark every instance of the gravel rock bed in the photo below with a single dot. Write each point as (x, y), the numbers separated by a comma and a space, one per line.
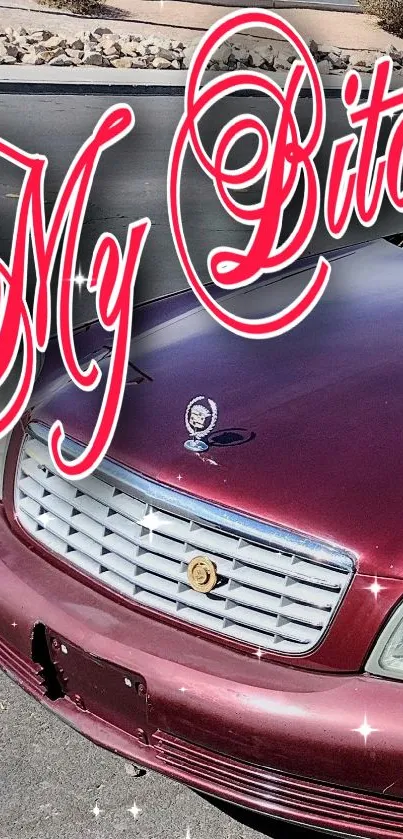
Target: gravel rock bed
(102, 48)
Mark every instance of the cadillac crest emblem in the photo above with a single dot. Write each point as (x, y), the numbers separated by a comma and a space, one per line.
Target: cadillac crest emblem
(202, 574)
(200, 419)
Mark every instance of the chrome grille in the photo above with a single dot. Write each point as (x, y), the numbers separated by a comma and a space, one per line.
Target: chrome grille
(276, 590)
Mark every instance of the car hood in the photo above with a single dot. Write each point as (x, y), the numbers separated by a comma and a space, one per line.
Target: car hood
(310, 424)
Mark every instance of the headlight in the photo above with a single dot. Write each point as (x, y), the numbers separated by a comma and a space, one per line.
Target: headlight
(386, 658)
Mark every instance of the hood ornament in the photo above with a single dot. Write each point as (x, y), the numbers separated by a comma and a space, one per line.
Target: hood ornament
(200, 419)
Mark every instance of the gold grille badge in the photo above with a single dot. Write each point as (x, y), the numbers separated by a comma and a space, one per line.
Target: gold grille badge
(202, 574)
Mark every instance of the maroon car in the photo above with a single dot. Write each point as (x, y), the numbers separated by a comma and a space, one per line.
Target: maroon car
(222, 601)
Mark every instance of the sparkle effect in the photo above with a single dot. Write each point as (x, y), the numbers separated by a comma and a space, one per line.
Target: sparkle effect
(45, 519)
(80, 280)
(151, 521)
(375, 588)
(258, 653)
(135, 811)
(13, 624)
(96, 810)
(365, 729)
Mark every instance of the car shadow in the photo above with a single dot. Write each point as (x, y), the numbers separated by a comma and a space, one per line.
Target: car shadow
(271, 828)
(221, 438)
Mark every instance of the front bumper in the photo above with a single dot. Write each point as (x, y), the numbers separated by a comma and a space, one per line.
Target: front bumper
(205, 715)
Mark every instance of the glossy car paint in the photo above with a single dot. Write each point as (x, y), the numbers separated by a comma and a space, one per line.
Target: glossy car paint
(320, 409)
(323, 403)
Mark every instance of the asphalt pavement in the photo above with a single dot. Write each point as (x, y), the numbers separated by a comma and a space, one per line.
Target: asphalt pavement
(130, 181)
(54, 783)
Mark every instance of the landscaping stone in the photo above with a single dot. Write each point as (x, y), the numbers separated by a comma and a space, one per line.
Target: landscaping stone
(92, 58)
(55, 42)
(32, 58)
(324, 67)
(9, 49)
(75, 55)
(102, 30)
(102, 47)
(76, 44)
(336, 61)
(61, 60)
(161, 63)
(124, 62)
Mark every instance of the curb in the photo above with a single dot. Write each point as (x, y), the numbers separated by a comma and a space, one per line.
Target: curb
(319, 6)
(314, 5)
(134, 82)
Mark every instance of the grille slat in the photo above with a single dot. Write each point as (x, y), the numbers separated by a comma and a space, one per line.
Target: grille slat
(124, 526)
(123, 534)
(195, 535)
(257, 581)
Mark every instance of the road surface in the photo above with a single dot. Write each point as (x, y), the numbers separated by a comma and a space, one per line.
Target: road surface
(51, 780)
(130, 182)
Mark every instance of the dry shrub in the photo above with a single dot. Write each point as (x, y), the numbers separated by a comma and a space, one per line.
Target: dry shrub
(89, 8)
(389, 12)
